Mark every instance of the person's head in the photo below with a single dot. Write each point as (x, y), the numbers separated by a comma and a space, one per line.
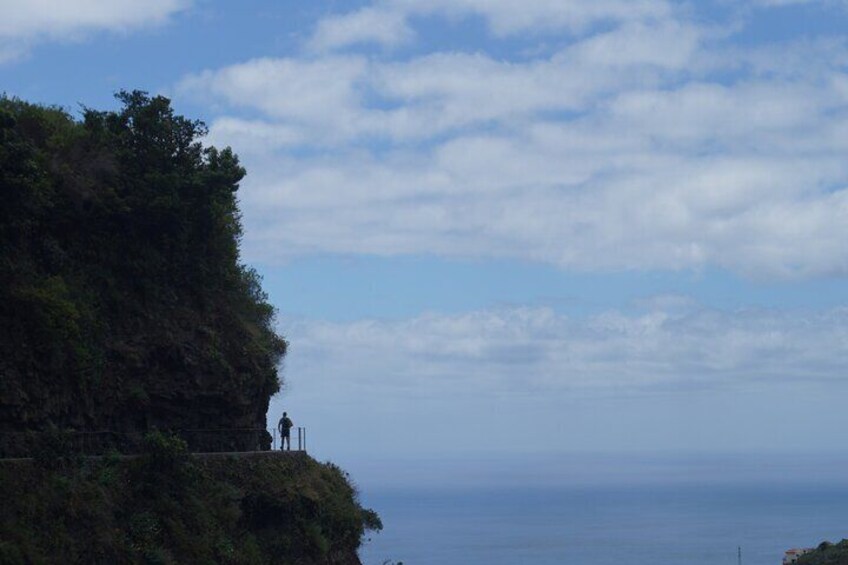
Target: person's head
(284, 413)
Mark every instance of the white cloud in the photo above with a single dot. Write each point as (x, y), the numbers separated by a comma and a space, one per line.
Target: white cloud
(25, 23)
(320, 95)
(254, 136)
(652, 143)
(510, 16)
(368, 25)
(534, 349)
(670, 377)
(787, 2)
(387, 22)
(577, 196)
(341, 97)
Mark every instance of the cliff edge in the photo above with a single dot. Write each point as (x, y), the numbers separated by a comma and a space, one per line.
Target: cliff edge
(123, 302)
(125, 309)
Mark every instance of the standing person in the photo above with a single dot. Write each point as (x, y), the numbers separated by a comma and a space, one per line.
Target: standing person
(285, 427)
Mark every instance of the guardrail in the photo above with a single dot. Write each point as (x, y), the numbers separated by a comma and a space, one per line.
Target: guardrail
(99, 442)
(301, 440)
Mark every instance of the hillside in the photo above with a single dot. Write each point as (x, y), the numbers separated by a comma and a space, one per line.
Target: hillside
(123, 304)
(167, 506)
(827, 554)
(125, 309)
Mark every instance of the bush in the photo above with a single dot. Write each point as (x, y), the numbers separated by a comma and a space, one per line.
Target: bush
(54, 449)
(164, 451)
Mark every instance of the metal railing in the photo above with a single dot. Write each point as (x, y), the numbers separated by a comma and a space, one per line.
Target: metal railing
(301, 440)
(99, 442)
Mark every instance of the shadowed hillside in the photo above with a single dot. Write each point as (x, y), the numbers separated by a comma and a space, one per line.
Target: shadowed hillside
(124, 308)
(167, 506)
(827, 554)
(123, 304)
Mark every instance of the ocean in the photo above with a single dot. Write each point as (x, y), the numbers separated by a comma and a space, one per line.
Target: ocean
(651, 524)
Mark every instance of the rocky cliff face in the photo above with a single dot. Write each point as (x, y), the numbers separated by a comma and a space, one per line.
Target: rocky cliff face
(123, 303)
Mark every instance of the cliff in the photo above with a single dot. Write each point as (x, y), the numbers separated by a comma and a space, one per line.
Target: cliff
(123, 304)
(125, 309)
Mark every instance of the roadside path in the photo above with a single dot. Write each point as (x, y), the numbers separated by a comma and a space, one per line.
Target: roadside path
(203, 454)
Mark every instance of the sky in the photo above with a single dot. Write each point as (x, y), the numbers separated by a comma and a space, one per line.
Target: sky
(503, 229)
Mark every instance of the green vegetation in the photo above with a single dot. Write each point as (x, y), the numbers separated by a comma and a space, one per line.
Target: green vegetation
(123, 304)
(124, 308)
(827, 554)
(168, 506)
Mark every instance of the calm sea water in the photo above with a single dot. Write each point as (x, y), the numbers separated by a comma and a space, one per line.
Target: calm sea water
(604, 525)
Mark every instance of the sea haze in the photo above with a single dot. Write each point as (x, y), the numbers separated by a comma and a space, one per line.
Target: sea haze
(657, 515)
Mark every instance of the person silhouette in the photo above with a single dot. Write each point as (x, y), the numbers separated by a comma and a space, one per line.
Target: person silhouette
(285, 427)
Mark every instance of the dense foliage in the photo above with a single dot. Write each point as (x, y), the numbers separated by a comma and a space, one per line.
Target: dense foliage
(124, 307)
(168, 506)
(123, 303)
(827, 554)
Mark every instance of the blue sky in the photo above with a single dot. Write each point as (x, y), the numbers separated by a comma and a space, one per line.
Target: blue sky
(501, 227)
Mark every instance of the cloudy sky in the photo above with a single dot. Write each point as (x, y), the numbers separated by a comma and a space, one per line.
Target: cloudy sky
(500, 227)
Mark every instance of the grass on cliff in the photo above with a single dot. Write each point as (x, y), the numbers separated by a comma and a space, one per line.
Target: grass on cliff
(827, 554)
(167, 506)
